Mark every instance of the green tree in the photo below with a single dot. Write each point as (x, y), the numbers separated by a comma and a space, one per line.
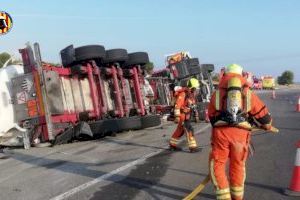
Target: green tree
(3, 58)
(149, 67)
(286, 78)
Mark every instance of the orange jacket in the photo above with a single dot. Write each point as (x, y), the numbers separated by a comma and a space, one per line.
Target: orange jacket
(258, 109)
(184, 99)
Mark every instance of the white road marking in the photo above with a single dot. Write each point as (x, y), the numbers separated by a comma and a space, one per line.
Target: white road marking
(112, 173)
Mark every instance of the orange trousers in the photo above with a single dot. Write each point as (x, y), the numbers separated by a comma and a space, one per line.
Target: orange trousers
(229, 143)
(184, 124)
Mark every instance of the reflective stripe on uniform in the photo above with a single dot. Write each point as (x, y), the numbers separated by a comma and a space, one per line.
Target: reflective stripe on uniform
(191, 140)
(217, 103)
(249, 94)
(237, 194)
(237, 191)
(174, 141)
(244, 169)
(212, 174)
(222, 191)
(224, 196)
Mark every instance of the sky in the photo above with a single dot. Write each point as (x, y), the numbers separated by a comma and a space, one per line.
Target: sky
(261, 35)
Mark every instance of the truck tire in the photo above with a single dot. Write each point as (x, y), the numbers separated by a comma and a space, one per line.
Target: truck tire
(89, 52)
(208, 67)
(193, 62)
(182, 69)
(97, 128)
(116, 55)
(193, 70)
(71, 56)
(129, 123)
(150, 121)
(137, 58)
(104, 127)
(68, 56)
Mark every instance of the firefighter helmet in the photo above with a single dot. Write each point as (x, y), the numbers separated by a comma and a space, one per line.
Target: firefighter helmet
(193, 83)
(234, 68)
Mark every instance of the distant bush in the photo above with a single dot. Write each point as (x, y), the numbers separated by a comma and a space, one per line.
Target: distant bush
(286, 78)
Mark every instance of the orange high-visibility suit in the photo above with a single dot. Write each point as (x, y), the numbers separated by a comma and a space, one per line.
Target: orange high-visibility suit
(185, 100)
(231, 142)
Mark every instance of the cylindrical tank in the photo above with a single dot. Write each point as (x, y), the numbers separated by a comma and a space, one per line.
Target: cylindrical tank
(7, 115)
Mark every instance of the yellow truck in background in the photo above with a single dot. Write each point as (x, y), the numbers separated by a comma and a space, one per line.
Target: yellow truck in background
(268, 83)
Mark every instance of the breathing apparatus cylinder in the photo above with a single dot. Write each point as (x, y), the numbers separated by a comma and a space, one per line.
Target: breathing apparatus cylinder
(234, 98)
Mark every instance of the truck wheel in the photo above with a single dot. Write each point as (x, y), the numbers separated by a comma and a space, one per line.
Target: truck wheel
(89, 52)
(97, 128)
(208, 67)
(129, 123)
(104, 127)
(182, 69)
(68, 56)
(193, 70)
(116, 55)
(137, 58)
(193, 62)
(150, 121)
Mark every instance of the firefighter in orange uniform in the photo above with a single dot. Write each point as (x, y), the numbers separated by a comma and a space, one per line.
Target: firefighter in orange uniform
(185, 102)
(231, 109)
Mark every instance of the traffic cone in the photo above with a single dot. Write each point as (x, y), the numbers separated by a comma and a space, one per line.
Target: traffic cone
(298, 105)
(273, 95)
(294, 189)
(206, 116)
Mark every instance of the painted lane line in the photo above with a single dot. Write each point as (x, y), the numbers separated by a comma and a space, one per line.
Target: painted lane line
(112, 173)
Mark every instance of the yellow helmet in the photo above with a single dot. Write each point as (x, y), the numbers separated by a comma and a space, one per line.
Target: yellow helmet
(234, 68)
(193, 83)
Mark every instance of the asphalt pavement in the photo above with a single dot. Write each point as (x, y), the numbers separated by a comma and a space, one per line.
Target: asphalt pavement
(138, 165)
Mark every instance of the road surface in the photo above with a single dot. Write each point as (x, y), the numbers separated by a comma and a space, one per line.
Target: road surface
(137, 165)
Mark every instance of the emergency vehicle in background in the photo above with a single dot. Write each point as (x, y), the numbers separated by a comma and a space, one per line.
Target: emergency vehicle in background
(94, 93)
(268, 82)
(257, 83)
(180, 67)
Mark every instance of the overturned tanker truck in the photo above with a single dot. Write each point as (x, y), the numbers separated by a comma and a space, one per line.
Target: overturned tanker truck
(94, 93)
